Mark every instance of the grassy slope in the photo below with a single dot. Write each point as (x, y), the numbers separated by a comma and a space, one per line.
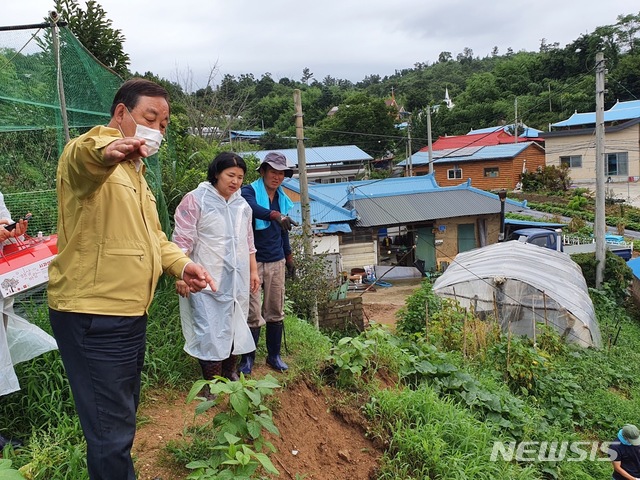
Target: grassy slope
(441, 423)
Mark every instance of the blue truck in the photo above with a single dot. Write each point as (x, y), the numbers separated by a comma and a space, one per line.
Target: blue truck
(571, 244)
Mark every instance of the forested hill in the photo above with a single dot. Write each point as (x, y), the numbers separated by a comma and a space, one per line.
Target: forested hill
(539, 88)
(549, 85)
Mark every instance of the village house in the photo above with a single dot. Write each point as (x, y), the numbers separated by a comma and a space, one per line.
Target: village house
(491, 167)
(472, 156)
(408, 221)
(333, 164)
(571, 142)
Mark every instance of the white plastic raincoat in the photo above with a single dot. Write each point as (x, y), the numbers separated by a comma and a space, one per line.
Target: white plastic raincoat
(217, 234)
(19, 340)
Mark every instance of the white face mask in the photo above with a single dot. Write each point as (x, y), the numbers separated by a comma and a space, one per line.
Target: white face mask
(153, 138)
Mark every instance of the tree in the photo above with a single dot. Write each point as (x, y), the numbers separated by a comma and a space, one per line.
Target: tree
(628, 27)
(444, 57)
(306, 75)
(361, 120)
(95, 32)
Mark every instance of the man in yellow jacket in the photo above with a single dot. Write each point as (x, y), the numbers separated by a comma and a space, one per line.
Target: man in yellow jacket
(111, 253)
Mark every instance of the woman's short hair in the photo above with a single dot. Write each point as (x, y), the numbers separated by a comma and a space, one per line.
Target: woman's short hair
(223, 161)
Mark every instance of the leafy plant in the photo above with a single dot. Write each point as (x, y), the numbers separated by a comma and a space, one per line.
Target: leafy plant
(8, 473)
(237, 444)
(412, 317)
(351, 357)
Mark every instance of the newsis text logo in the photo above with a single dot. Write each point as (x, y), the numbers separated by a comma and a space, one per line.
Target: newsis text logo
(554, 451)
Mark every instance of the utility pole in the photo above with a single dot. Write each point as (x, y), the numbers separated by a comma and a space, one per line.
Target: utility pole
(304, 192)
(600, 223)
(409, 159)
(54, 17)
(515, 123)
(429, 142)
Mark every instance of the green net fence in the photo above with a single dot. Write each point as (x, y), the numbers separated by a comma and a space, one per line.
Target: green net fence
(34, 62)
(31, 122)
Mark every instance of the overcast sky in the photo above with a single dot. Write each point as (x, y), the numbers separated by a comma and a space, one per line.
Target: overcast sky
(186, 39)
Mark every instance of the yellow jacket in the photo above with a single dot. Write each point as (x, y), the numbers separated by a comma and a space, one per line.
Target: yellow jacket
(111, 248)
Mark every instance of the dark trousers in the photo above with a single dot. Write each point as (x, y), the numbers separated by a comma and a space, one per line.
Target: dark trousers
(103, 357)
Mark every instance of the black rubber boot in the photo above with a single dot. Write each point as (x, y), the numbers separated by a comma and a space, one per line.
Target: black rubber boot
(246, 363)
(274, 342)
(210, 369)
(9, 441)
(229, 368)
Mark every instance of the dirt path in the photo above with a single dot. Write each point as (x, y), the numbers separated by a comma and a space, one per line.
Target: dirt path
(381, 304)
(314, 443)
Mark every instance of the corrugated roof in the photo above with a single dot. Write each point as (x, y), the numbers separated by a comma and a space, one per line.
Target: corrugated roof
(527, 131)
(320, 155)
(247, 133)
(322, 212)
(459, 141)
(341, 193)
(470, 154)
(634, 265)
(427, 206)
(620, 111)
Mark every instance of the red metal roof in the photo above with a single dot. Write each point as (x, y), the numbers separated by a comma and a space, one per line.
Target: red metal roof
(498, 137)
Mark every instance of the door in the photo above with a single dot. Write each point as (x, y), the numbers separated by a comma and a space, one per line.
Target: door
(466, 237)
(425, 248)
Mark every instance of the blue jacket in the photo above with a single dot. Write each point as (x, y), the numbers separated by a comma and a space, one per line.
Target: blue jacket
(272, 243)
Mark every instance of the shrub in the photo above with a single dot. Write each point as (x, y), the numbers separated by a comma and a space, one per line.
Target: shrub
(313, 282)
(412, 317)
(616, 273)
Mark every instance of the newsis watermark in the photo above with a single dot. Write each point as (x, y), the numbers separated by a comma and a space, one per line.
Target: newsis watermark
(554, 451)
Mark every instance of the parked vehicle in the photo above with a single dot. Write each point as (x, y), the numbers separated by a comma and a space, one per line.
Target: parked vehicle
(571, 244)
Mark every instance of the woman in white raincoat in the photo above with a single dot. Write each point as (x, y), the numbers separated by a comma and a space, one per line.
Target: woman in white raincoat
(213, 227)
(19, 340)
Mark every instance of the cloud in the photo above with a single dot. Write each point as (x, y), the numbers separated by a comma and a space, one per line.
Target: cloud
(343, 39)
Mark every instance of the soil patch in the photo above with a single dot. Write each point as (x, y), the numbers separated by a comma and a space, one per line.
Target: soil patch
(321, 436)
(315, 442)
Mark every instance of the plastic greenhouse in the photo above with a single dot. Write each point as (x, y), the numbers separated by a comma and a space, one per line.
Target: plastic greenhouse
(523, 285)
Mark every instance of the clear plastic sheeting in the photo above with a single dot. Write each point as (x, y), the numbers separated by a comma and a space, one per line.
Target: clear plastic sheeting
(523, 285)
(21, 341)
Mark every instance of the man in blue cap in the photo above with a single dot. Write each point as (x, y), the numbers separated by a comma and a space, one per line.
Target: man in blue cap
(271, 227)
(625, 454)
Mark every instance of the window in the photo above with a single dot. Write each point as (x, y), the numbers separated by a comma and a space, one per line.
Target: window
(492, 172)
(571, 161)
(617, 164)
(454, 173)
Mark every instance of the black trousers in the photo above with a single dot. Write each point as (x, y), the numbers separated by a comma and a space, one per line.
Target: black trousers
(103, 357)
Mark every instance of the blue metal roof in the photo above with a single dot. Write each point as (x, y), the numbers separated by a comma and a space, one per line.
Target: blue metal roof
(320, 155)
(480, 131)
(341, 193)
(395, 201)
(247, 133)
(322, 212)
(470, 154)
(528, 131)
(446, 202)
(620, 111)
(323, 209)
(634, 265)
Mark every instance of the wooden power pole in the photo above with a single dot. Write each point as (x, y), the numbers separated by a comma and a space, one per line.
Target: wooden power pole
(307, 238)
(429, 142)
(600, 222)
